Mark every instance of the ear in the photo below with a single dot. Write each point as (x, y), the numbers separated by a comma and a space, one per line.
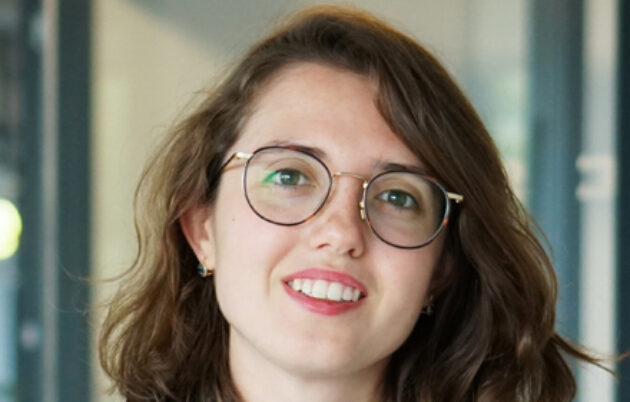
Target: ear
(197, 227)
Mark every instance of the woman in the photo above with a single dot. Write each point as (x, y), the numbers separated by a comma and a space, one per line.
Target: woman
(334, 224)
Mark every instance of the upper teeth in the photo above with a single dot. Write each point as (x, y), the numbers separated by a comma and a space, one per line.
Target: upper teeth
(321, 289)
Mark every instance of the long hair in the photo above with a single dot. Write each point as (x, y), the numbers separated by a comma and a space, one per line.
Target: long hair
(492, 336)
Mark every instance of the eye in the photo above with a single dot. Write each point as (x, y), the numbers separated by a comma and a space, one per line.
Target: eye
(398, 199)
(286, 177)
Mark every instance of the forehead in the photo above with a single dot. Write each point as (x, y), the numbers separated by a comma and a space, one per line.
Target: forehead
(327, 108)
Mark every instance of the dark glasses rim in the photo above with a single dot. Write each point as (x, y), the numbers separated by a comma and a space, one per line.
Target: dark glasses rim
(438, 230)
(319, 207)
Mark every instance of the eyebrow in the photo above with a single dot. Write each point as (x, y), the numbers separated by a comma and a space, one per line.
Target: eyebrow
(318, 152)
(390, 166)
(379, 166)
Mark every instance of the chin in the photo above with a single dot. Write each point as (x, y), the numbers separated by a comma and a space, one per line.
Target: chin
(317, 359)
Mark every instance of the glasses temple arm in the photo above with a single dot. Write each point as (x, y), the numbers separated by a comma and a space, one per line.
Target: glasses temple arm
(458, 198)
(235, 155)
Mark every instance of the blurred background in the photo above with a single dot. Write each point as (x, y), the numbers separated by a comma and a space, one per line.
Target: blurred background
(87, 88)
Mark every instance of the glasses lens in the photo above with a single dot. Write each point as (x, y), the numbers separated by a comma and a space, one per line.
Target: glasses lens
(285, 186)
(405, 209)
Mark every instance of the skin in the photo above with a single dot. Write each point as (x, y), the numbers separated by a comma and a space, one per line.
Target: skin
(280, 351)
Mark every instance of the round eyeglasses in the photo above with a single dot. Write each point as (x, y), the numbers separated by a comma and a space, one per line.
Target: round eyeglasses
(288, 186)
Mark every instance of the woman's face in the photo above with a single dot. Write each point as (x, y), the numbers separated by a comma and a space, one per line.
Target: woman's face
(332, 111)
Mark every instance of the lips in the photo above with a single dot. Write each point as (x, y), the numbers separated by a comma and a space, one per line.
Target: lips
(324, 291)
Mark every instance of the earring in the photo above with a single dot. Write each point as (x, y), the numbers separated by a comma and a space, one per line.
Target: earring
(428, 309)
(203, 271)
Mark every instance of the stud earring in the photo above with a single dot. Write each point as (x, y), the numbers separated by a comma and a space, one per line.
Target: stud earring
(203, 271)
(428, 309)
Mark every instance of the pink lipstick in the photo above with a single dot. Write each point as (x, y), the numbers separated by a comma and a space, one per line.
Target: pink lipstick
(324, 291)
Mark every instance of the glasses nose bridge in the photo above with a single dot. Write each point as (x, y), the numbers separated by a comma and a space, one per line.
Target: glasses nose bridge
(354, 175)
(364, 186)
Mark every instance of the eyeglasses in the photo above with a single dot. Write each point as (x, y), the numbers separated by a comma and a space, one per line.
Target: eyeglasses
(288, 186)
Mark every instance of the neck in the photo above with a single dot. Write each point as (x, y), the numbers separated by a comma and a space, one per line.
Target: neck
(261, 380)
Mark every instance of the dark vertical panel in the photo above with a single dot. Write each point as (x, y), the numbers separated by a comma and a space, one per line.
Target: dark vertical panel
(72, 268)
(29, 166)
(73, 220)
(623, 200)
(556, 71)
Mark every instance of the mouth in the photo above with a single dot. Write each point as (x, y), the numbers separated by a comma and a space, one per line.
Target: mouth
(325, 290)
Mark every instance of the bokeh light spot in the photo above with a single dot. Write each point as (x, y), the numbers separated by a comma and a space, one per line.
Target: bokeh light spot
(10, 228)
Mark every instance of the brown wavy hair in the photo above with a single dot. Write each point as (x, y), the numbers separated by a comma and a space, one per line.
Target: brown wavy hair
(492, 336)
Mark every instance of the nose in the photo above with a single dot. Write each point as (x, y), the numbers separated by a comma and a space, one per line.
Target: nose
(338, 227)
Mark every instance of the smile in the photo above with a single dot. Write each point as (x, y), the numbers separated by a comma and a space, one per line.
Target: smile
(322, 289)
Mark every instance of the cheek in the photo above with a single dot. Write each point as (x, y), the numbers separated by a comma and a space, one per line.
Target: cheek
(247, 250)
(407, 284)
(239, 234)
(408, 274)
(407, 291)
(246, 243)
